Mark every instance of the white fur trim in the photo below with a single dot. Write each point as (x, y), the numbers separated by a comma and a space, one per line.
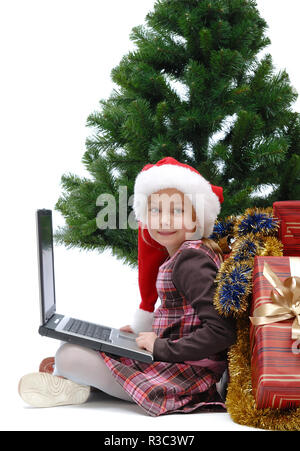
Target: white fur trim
(197, 188)
(142, 321)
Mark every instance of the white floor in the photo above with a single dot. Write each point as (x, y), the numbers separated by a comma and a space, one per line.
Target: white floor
(104, 413)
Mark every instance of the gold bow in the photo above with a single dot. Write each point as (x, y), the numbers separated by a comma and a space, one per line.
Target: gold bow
(285, 302)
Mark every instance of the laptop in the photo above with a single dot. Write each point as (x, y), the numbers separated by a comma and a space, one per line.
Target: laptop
(72, 330)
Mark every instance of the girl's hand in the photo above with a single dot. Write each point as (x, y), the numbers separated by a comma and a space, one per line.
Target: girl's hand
(146, 340)
(127, 329)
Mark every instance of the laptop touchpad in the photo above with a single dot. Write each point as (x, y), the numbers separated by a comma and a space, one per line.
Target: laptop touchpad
(126, 337)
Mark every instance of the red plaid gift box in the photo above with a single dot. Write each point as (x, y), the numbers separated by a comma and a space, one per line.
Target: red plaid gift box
(288, 213)
(275, 356)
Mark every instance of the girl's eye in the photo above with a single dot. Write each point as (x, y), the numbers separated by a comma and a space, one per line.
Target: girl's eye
(178, 211)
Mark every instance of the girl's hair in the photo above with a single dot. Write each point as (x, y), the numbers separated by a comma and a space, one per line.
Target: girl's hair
(214, 247)
(206, 241)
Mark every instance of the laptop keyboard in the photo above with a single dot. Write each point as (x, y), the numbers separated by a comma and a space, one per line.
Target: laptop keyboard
(87, 329)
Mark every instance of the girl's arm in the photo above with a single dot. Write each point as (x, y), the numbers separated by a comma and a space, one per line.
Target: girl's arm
(193, 275)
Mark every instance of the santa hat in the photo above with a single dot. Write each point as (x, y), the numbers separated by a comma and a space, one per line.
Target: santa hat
(206, 200)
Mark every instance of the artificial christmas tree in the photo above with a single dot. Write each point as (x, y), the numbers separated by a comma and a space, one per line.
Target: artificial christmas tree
(194, 73)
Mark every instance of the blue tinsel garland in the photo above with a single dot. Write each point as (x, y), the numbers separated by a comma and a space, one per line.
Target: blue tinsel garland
(251, 233)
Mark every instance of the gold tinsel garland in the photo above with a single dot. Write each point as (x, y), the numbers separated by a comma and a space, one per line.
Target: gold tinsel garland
(258, 237)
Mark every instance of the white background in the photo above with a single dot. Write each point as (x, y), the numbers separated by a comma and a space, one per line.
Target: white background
(56, 59)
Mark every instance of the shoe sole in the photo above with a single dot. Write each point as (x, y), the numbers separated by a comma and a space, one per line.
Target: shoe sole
(46, 390)
(47, 365)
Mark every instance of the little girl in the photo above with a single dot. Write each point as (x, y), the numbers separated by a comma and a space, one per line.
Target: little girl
(176, 209)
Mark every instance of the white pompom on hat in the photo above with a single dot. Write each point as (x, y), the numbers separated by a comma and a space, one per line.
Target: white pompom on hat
(206, 200)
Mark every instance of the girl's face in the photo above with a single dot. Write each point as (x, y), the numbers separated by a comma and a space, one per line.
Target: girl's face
(170, 216)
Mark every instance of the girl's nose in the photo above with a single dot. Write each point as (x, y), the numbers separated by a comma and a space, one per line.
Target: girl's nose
(165, 221)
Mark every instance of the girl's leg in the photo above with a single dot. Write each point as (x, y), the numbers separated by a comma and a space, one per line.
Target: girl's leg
(86, 367)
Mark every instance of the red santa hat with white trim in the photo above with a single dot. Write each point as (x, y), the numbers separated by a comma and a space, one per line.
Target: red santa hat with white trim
(206, 200)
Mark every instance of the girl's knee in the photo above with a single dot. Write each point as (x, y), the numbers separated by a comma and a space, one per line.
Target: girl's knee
(70, 357)
(64, 358)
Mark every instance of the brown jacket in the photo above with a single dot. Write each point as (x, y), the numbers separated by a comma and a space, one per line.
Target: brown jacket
(193, 275)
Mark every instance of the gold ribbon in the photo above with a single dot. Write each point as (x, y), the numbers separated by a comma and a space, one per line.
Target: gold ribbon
(285, 299)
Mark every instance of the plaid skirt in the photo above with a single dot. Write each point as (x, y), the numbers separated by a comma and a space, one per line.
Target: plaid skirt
(163, 387)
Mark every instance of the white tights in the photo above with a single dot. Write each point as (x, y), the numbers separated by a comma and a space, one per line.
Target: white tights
(86, 367)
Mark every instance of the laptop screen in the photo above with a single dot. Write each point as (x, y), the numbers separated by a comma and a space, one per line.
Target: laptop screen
(46, 263)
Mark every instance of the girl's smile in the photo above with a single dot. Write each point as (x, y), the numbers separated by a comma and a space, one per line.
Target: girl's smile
(166, 233)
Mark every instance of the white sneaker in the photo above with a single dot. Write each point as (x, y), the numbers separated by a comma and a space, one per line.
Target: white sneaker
(46, 390)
